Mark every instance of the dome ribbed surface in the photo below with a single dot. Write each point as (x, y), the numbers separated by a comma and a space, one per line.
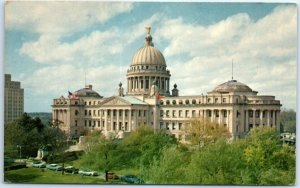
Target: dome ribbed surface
(232, 86)
(148, 55)
(87, 92)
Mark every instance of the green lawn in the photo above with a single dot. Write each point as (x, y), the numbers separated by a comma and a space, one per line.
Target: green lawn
(36, 175)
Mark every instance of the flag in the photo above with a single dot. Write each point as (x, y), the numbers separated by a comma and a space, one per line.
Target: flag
(72, 96)
(158, 96)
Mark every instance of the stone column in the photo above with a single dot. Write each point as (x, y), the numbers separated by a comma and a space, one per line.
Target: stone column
(129, 120)
(111, 119)
(118, 119)
(254, 118)
(123, 119)
(268, 117)
(261, 117)
(138, 83)
(247, 123)
(228, 122)
(273, 118)
(105, 122)
(150, 82)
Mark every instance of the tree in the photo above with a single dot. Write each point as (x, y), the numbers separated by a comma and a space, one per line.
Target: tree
(217, 163)
(265, 155)
(202, 131)
(30, 134)
(101, 153)
(170, 167)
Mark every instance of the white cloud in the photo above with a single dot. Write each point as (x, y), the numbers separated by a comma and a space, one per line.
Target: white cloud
(264, 53)
(60, 17)
(91, 48)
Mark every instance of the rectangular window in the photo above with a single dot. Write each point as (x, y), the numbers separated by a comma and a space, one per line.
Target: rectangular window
(75, 123)
(193, 113)
(90, 113)
(173, 126)
(90, 123)
(167, 126)
(161, 113)
(217, 113)
(180, 113)
(209, 113)
(264, 114)
(139, 113)
(126, 126)
(108, 112)
(145, 112)
(237, 113)
(161, 125)
(167, 113)
(251, 114)
(173, 113)
(114, 126)
(98, 123)
(85, 123)
(225, 113)
(224, 100)
(180, 126)
(85, 112)
(257, 114)
(187, 113)
(120, 112)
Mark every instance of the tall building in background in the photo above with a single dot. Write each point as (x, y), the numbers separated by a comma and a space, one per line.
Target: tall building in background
(13, 100)
(149, 101)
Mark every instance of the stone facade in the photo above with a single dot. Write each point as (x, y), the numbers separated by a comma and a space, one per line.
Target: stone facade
(13, 99)
(148, 101)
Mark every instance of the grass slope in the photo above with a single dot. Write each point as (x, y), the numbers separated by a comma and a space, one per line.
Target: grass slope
(35, 175)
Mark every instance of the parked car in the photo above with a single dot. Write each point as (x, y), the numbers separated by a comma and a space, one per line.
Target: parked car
(55, 167)
(71, 169)
(88, 173)
(38, 164)
(111, 175)
(132, 179)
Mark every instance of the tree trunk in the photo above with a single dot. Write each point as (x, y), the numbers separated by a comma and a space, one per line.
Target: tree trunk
(106, 175)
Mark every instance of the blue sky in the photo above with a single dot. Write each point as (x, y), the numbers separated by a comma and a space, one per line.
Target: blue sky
(49, 46)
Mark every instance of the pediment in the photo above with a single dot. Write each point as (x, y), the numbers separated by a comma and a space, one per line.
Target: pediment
(116, 101)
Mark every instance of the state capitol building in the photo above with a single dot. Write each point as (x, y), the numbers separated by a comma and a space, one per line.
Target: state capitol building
(149, 101)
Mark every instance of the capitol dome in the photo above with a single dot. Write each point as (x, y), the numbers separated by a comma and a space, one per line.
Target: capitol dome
(232, 86)
(87, 92)
(148, 54)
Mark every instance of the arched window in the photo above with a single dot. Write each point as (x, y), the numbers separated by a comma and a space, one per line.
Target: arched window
(76, 112)
(167, 102)
(187, 102)
(174, 102)
(161, 102)
(180, 102)
(193, 101)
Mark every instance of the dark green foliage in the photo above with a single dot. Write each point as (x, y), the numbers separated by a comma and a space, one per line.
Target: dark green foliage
(45, 117)
(31, 134)
(61, 157)
(259, 159)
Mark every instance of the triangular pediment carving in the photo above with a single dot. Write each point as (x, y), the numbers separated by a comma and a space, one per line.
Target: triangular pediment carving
(116, 101)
